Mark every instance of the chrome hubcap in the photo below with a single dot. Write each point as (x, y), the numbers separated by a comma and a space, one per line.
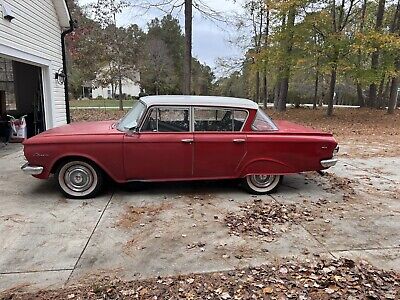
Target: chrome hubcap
(262, 181)
(78, 178)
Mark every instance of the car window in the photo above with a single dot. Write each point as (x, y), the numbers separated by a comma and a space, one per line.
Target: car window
(263, 123)
(132, 118)
(167, 120)
(218, 119)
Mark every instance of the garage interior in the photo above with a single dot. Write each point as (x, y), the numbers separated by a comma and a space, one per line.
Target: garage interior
(21, 94)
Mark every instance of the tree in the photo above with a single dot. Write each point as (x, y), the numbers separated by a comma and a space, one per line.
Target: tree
(395, 80)
(169, 7)
(187, 77)
(114, 41)
(372, 96)
(162, 60)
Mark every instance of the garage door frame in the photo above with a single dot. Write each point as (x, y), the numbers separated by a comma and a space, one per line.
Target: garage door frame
(45, 65)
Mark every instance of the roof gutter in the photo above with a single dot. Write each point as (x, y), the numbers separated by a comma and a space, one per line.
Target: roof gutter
(64, 58)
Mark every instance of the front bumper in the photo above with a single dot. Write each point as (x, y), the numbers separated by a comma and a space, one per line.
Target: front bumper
(32, 170)
(327, 163)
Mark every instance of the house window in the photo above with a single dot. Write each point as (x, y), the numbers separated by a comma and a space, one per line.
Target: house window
(7, 83)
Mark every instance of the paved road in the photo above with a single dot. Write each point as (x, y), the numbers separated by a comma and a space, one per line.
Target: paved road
(47, 240)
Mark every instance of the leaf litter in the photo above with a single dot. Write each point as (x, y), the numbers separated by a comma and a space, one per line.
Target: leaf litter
(318, 279)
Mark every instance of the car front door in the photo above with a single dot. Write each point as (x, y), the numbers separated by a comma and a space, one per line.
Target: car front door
(163, 147)
(219, 144)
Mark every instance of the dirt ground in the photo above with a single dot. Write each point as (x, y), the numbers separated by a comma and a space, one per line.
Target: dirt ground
(361, 132)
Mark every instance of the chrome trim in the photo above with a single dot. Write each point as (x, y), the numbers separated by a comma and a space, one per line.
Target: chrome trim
(187, 141)
(191, 109)
(327, 163)
(32, 170)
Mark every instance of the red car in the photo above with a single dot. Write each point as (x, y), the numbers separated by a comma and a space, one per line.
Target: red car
(174, 138)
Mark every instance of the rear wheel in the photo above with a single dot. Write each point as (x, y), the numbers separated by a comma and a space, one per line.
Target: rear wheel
(262, 184)
(79, 179)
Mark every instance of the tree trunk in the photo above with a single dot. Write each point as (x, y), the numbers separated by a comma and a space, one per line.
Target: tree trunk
(360, 95)
(265, 89)
(284, 87)
(315, 100)
(386, 92)
(372, 96)
(379, 102)
(332, 86)
(258, 86)
(286, 70)
(187, 66)
(121, 103)
(394, 91)
(276, 94)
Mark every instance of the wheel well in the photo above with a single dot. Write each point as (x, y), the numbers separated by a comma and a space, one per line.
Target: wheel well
(63, 160)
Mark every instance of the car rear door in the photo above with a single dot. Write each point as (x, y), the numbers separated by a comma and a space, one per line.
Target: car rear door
(219, 144)
(163, 149)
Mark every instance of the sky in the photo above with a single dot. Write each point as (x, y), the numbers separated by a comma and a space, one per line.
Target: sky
(210, 38)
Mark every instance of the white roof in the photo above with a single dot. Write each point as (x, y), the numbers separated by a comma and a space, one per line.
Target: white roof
(199, 101)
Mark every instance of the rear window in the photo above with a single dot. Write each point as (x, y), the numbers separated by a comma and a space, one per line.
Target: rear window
(263, 123)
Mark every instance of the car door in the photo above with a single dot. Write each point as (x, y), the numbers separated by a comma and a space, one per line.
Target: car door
(163, 147)
(219, 144)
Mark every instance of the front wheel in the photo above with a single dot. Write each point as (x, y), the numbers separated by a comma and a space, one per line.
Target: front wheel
(262, 184)
(79, 179)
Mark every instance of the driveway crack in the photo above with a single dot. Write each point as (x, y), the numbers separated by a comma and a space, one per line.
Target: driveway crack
(90, 237)
(302, 226)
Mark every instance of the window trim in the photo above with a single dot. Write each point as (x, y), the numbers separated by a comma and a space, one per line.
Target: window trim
(223, 108)
(148, 112)
(191, 117)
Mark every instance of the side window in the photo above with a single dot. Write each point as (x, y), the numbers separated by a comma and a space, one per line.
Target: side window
(218, 119)
(150, 123)
(167, 120)
(239, 117)
(212, 119)
(263, 123)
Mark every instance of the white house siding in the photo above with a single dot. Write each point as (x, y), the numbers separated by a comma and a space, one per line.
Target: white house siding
(36, 32)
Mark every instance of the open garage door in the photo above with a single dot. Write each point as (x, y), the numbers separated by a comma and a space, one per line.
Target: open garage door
(21, 93)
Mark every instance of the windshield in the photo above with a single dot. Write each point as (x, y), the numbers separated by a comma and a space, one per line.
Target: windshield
(132, 118)
(263, 123)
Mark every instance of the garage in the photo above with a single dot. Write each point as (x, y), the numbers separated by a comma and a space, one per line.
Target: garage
(33, 81)
(21, 94)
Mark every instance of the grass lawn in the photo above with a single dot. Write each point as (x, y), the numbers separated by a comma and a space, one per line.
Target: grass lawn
(99, 103)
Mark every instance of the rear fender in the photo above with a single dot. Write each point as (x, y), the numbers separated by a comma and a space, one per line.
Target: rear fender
(267, 167)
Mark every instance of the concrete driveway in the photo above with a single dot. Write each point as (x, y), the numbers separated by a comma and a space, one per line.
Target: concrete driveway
(167, 229)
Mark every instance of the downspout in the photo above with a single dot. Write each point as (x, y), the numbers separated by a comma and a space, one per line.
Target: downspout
(64, 58)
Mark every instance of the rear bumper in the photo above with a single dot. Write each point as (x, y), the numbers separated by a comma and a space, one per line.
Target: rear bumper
(327, 163)
(32, 170)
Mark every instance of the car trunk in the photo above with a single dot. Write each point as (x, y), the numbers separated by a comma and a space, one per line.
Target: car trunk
(293, 128)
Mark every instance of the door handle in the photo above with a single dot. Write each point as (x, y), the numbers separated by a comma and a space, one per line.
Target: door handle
(187, 141)
(239, 141)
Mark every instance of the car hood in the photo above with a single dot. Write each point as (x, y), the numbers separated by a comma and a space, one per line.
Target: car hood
(84, 128)
(293, 128)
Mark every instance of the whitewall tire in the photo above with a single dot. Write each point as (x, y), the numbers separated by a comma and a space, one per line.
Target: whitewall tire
(79, 179)
(262, 184)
